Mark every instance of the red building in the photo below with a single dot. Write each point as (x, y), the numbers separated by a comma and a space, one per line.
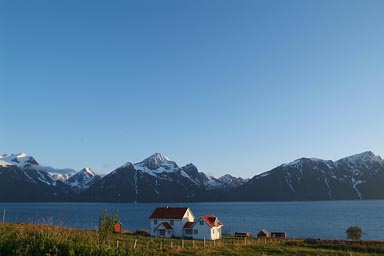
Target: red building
(117, 228)
(263, 233)
(281, 235)
(242, 234)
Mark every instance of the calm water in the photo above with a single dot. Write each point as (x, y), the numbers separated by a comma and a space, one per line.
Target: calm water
(324, 219)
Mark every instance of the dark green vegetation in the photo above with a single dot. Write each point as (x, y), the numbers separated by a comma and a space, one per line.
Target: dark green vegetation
(354, 233)
(26, 239)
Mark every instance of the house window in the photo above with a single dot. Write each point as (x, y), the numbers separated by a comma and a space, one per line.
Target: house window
(169, 232)
(155, 222)
(171, 222)
(201, 222)
(162, 232)
(188, 231)
(213, 231)
(195, 231)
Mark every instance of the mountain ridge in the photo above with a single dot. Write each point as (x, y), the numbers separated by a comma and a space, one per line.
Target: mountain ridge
(159, 179)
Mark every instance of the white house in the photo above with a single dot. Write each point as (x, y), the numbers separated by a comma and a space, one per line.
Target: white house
(207, 227)
(170, 221)
(180, 222)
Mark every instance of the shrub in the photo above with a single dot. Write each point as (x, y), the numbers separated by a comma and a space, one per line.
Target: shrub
(142, 232)
(354, 233)
(107, 223)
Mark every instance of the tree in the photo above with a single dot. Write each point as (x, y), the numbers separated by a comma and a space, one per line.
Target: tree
(354, 233)
(107, 223)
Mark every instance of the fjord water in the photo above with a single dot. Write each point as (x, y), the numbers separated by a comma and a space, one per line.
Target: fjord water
(319, 219)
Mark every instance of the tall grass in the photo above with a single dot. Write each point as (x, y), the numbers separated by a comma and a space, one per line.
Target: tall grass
(27, 239)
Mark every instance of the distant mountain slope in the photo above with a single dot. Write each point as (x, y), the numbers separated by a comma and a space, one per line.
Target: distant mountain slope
(29, 185)
(359, 176)
(155, 179)
(25, 161)
(159, 179)
(82, 179)
(22, 178)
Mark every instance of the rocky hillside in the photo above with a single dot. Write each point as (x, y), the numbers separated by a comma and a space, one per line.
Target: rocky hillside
(159, 179)
(359, 176)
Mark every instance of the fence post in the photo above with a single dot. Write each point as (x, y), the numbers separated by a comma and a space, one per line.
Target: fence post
(117, 244)
(4, 216)
(182, 243)
(204, 241)
(193, 243)
(134, 245)
(214, 243)
(147, 245)
(245, 240)
(171, 244)
(161, 245)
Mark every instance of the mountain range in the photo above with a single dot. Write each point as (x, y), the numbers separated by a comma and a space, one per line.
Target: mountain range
(159, 179)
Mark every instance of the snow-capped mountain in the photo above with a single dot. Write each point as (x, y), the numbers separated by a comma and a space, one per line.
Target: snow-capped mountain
(232, 182)
(22, 180)
(29, 180)
(159, 179)
(25, 161)
(155, 164)
(25, 167)
(82, 179)
(363, 171)
(20, 160)
(160, 166)
(359, 176)
(154, 179)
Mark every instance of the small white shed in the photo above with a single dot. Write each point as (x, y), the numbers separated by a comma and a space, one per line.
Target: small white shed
(207, 227)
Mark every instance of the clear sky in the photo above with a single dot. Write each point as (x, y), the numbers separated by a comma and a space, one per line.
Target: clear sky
(232, 86)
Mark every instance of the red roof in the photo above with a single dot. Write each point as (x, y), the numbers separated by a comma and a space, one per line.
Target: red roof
(212, 220)
(168, 213)
(188, 225)
(166, 225)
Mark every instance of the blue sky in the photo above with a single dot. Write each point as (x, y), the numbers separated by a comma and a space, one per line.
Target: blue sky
(232, 86)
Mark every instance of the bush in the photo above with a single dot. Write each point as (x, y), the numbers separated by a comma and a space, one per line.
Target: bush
(142, 232)
(354, 233)
(107, 224)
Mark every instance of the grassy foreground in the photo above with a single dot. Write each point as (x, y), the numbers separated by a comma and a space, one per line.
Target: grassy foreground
(27, 239)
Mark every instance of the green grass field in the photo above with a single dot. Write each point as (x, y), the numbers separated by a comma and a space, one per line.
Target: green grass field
(27, 239)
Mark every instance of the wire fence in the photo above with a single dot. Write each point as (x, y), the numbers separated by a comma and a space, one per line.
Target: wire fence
(171, 243)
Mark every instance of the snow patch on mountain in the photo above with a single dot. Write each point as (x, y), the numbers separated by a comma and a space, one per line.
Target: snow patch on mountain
(230, 181)
(83, 179)
(25, 162)
(211, 183)
(354, 171)
(156, 164)
(21, 160)
(367, 157)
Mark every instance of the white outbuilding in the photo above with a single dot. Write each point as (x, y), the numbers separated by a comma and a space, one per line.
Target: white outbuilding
(207, 227)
